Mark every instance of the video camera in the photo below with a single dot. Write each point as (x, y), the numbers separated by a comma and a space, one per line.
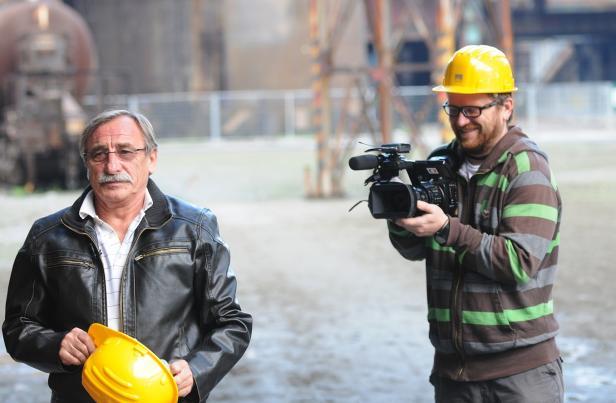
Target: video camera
(432, 181)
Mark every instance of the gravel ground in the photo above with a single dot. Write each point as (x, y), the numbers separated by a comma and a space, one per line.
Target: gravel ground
(339, 315)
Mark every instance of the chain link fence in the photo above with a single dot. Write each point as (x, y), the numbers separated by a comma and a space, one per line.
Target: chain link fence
(246, 114)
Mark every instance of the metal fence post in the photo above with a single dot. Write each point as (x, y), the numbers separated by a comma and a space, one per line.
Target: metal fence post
(612, 116)
(215, 118)
(289, 114)
(610, 105)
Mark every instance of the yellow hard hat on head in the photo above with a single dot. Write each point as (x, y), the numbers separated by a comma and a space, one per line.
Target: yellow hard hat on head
(121, 369)
(477, 69)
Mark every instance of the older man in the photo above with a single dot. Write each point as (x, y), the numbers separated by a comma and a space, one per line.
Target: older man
(126, 255)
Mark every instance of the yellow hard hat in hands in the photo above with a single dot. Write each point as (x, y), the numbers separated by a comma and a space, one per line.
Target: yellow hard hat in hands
(121, 369)
(477, 69)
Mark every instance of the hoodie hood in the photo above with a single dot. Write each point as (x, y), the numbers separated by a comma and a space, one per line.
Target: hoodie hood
(512, 143)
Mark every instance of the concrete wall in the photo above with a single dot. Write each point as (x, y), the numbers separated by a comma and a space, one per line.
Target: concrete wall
(195, 45)
(143, 46)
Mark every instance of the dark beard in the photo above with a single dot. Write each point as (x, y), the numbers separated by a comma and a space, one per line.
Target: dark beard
(478, 152)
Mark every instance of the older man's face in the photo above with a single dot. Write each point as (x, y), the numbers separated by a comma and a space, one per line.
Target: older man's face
(120, 178)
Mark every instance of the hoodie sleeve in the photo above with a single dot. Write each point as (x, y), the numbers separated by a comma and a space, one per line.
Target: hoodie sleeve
(408, 245)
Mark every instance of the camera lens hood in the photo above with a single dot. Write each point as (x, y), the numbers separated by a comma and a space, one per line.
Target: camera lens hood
(392, 200)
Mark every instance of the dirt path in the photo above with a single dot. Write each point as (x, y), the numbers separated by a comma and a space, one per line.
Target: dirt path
(335, 318)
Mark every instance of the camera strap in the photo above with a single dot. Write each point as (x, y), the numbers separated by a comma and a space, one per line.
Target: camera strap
(356, 204)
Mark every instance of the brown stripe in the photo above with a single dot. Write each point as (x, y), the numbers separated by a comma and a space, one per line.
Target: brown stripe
(536, 327)
(515, 300)
(490, 366)
(487, 334)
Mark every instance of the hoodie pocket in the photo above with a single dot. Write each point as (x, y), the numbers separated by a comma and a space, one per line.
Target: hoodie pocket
(506, 329)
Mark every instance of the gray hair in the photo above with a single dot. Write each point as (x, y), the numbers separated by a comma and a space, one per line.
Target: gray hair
(107, 116)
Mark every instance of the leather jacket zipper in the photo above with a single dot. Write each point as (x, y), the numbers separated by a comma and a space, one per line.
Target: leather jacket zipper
(161, 251)
(77, 262)
(122, 313)
(122, 279)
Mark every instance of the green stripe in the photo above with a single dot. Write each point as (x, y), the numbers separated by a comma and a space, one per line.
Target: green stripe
(461, 256)
(432, 244)
(495, 318)
(504, 183)
(503, 157)
(531, 210)
(489, 180)
(484, 318)
(483, 205)
(519, 274)
(530, 312)
(494, 180)
(554, 243)
(398, 231)
(522, 161)
(439, 314)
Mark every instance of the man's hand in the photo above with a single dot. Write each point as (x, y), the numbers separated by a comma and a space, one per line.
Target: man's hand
(426, 224)
(183, 376)
(76, 347)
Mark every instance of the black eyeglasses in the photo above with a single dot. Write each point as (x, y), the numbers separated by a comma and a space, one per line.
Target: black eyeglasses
(468, 111)
(125, 154)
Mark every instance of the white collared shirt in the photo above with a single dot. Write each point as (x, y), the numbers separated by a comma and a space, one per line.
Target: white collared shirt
(113, 253)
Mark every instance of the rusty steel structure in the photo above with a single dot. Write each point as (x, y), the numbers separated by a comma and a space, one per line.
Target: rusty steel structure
(390, 23)
(46, 56)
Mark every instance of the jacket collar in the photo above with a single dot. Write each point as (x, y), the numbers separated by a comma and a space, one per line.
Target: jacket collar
(155, 216)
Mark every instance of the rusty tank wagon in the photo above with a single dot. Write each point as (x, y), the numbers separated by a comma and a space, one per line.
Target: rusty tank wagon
(47, 59)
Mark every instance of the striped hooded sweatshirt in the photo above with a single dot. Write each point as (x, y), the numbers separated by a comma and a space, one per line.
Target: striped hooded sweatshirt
(489, 287)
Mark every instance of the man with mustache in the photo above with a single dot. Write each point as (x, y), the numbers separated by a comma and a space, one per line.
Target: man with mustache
(128, 256)
(490, 267)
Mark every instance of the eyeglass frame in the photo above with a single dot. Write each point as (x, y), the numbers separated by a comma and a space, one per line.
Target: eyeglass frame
(460, 109)
(125, 154)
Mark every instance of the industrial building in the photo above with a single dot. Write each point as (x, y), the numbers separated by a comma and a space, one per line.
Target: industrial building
(201, 45)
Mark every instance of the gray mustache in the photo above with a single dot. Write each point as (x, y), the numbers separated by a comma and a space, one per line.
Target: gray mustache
(121, 177)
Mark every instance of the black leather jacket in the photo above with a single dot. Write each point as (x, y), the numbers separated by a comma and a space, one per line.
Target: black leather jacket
(177, 293)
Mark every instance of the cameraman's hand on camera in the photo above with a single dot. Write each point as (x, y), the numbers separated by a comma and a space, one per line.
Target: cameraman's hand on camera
(427, 224)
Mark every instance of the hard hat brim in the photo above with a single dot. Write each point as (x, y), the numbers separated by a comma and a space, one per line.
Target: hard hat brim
(452, 89)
